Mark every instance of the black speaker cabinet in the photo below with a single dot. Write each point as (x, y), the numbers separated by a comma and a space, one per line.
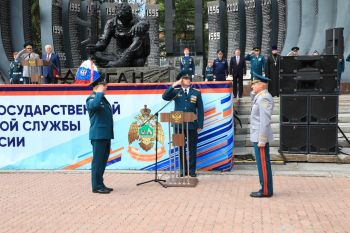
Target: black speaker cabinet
(329, 84)
(294, 109)
(335, 41)
(289, 65)
(308, 82)
(294, 138)
(308, 63)
(329, 64)
(323, 139)
(288, 84)
(323, 109)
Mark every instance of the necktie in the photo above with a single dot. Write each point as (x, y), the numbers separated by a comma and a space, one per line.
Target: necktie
(47, 57)
(186, 92)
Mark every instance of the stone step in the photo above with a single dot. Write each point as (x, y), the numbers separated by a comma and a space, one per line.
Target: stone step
(343, 100)
(345, 127)
(245, 119)
(244, 140)
(246, 110)
(247, 153)
(342, 118)
(276, 99)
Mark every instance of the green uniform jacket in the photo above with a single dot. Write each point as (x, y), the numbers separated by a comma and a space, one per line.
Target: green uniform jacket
(257, 64)
(101, 117)
(192, 103)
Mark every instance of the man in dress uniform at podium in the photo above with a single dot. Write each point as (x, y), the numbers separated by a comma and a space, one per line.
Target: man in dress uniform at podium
(188, 99)
(101, 132)
(261, 133)
(28, 54)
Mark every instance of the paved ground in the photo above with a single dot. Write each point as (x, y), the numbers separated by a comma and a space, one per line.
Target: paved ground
(308, 198)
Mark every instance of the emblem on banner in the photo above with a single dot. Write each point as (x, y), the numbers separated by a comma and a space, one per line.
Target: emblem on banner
(142, 137)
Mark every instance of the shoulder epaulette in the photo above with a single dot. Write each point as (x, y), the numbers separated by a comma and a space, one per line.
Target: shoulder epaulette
(197, 89)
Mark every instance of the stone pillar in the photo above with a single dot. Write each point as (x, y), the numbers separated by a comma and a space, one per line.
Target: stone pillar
(152, 15)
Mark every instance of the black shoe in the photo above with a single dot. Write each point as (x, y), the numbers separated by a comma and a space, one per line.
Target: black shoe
(109, 189)
(193, 175)
(101, 191)
(259, 194)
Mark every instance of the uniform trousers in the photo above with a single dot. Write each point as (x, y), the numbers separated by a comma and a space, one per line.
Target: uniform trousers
(100, 149)
(262, 155)
(237, 86)
(192, 144)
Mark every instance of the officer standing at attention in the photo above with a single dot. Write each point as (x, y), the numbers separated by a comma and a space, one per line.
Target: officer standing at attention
(209, 72)
(101, 132)
(261, 133)
(220, 67)
(16, 71)
(257, 62)
(187, 63)
(188, 99)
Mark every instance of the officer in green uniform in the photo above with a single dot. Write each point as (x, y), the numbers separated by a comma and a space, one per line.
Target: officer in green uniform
(101, 133)
(257, 62)
(188, 99)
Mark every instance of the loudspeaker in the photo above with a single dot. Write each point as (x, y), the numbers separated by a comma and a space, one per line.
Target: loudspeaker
(329, 84)
(294, 109)
(308, 81)
(289, 65)
(294, 138)
(323, 139)
(308, 63)
(323, 109)
(329, 64)
(335, 41)
(288, 84)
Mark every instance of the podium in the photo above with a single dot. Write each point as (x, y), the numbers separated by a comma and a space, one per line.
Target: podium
(179, 148)
(35, 77)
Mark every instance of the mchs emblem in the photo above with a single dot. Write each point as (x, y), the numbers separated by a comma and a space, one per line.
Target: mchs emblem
(142, 137)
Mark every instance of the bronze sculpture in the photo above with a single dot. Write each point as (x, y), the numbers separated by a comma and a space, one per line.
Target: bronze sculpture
(132, 40)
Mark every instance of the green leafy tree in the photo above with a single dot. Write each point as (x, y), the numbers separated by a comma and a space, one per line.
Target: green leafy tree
(184, 19)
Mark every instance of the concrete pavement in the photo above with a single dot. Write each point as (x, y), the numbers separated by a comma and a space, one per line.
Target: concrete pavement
(308, 198)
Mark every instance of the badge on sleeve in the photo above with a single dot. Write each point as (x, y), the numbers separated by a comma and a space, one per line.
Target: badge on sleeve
(265, 104)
